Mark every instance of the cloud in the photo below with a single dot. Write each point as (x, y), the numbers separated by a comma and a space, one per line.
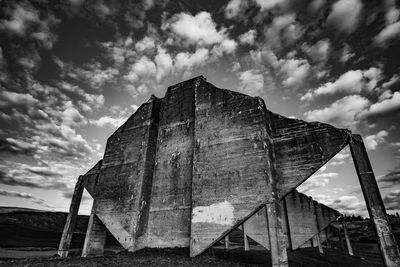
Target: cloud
(143, 67)
(345, 15)
(318, 52)
(372, 141)
(187, 61)
(392, 201)
(12, 99)
(388, 34)
(27, 22)
(351, 82)
(199, 29)
(145, 44)
(295, 71)
(390, 179)
(267, 5)
(316, 181)
(248, 37)
(342, 113)
(109, 121)
(34, 199)
(163, 62)
(234, 7)
(387, 106)
(251, 82)
(283, 31)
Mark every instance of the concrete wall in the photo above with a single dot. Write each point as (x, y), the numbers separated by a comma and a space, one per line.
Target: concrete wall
(231, 163)
(190, 167)
(123, 190)
(301, 148)
(170, 209)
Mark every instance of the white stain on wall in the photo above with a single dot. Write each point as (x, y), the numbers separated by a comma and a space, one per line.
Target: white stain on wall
(218, 213)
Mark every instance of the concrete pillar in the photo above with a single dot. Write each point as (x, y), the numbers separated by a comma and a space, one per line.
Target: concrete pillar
(227, 242)
(246, 240)
(376, 209)
(340, 237)
(328, 243)
(276, 236)
(96, 236)
(320, 249)
(69, 226)
(347, 237)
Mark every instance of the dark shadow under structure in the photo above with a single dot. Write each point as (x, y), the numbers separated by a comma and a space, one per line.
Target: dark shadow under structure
(187, 169)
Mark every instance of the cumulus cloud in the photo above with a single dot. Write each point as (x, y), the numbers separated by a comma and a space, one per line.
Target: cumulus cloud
(267, 5)
(316, 181)
(372, 141)
(199, 29)
(283, 31)
(109, 121)
(345, 15)
(391, 178)
(295, 71)
(187, 61)
(385, 107)
(145, 44)
(248, 37)
(318, 52)
(163, 62)
(351, 82)
(342, 113)
(388, 34)
(144, 67)
(251, 82)
(234, 7)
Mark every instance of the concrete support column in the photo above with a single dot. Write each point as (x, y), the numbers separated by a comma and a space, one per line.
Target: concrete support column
(69, 226)
(96, 236)
(320, 249)
(339, 230)
(376, 209)
(227, 242)
(278, 251)
(246, 240)
(328, 243)
(347, 237)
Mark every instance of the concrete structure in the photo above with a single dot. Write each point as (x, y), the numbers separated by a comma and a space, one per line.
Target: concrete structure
(187, 169)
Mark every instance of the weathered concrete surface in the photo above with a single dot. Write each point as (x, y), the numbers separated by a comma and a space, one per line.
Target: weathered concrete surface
(302, 218)
(376, 209)
(321, 218)
(231, 163)
(185, 170)
(171, 205)
(71, 219)
(90, 179)
(301, 148)
(96, 236)
(124, 185)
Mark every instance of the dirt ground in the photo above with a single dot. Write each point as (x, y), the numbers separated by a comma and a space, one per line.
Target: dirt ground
(218, 256)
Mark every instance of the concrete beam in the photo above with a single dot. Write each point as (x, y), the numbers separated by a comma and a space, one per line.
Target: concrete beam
(96, 236)
(376, 209)
(71, 219)
(320, 249)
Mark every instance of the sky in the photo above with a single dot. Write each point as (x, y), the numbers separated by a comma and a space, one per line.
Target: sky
(71, 72)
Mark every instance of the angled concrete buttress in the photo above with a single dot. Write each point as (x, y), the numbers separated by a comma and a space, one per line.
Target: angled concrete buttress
(186, 169)
(71, 219)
